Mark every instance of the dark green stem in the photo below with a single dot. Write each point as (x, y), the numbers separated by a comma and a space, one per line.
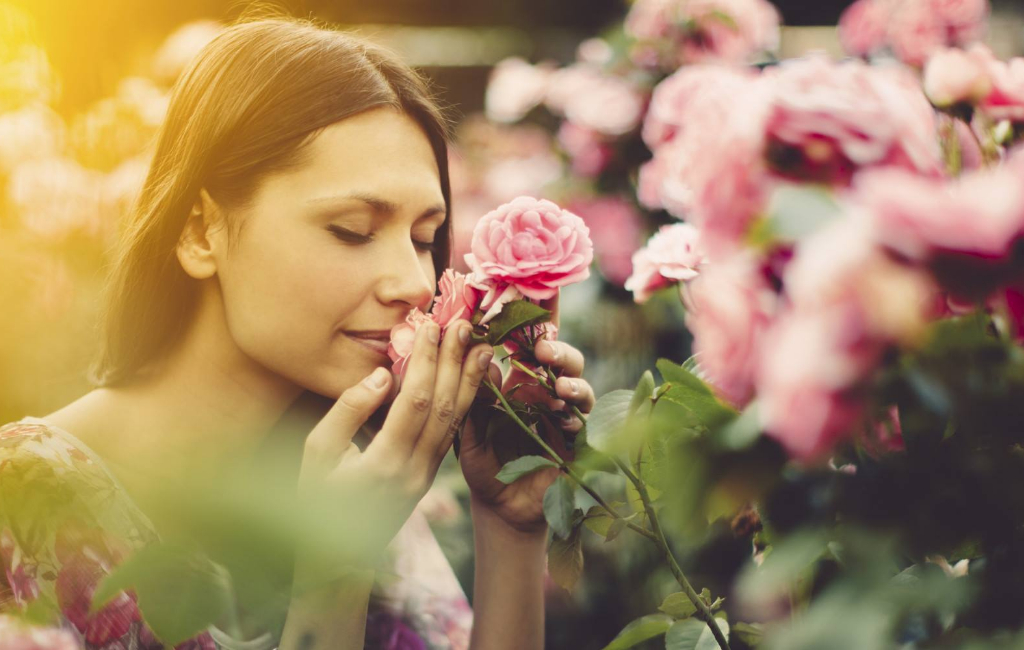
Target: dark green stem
(562, 464)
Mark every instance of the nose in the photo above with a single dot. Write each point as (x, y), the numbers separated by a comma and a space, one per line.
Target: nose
(407, 277)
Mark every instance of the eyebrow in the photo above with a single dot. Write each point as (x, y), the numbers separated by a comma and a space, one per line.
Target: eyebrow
(377, 204)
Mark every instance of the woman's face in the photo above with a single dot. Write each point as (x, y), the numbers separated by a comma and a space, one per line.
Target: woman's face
(335, 252)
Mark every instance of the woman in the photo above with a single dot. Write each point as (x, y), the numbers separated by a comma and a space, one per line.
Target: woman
(297, 207)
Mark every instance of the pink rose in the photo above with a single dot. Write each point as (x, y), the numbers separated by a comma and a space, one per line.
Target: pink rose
(965, 20)
(514, 89)
(615, 227)
(729, 307)
(674, 254)
(803, 384)
(713, 173)
(980, 214)
(457, 299)
(827, 120)
(403, 336)
(1006, 100)
(593, 99)
(666, 114)
(862, 26)
(956, 77)
(915, 31)
(533, 245)
(588, 151)
(670, 33)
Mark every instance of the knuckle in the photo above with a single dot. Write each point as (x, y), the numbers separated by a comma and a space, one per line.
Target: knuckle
(444, 408)
(420, 400)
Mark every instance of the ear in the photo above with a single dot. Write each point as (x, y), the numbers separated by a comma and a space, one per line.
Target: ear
(201, 241)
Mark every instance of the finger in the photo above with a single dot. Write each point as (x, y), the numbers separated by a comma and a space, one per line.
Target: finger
(478, 362)
(446, 389)
(409, 413)
(576, 391)
(332, 436)
(572, 425)
(485, 394)
(563, 356)
(551, 304)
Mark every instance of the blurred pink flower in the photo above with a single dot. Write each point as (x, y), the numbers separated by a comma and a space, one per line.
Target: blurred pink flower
(980, 214)
(670, 33)
(915, 31)
(715, 175)
(533, 245)
(19, 574)
(883, 435)
(496, 295)
(666, 114)
(514, 89)
(954, 76)
(729, 307)
(593, 99)
(803, 384)
(1006, 100)
(674, 254)
(403, 336)
(588, 151)
(863, 25)
(457, 299)
(965, 20)
(827, 120)
(615, 228)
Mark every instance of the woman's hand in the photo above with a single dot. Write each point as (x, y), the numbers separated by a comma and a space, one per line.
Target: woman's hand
(520, 504)
(377, 488)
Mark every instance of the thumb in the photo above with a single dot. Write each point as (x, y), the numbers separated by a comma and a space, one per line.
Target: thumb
(332, 436)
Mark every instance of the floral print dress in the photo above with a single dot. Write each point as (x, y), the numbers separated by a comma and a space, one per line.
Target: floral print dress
(66, 521)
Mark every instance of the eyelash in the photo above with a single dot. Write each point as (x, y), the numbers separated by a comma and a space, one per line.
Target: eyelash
(350, 237)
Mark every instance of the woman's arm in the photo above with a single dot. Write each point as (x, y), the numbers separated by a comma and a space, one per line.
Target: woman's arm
(508, 587)
(329, 617)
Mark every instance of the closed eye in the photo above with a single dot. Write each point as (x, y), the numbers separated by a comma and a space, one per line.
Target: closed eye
(350, 237)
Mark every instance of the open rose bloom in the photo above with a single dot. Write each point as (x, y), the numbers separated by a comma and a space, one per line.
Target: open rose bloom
(526, 249)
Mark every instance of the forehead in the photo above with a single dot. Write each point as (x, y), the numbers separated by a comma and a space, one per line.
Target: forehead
(381, 151)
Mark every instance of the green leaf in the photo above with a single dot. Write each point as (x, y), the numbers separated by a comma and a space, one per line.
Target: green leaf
(559, 504)
(618, 525)
(180, 592)
(741, 432)
(515, 315)
(598, 521)
(586, 458)
(796, 212)
(750, 633)
(565, 560)
(644, 391)
(687, 390)
(678, 605)
(523, 466)
(606, 421)
(646, 627)
(694, 634)
(781, 568)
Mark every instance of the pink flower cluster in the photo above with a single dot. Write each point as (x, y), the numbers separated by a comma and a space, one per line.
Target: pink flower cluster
(912, 29)
(975, 77)
(671, 33)
(724, 139)
(527, 248)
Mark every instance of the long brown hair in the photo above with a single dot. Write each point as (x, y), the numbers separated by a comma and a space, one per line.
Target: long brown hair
(243, 109)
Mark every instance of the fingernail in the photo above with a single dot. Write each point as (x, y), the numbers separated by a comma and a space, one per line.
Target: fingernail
(377, 378)
(433, 333)
(463, 334)
(555, 352)
(574, 386)
(485, 359)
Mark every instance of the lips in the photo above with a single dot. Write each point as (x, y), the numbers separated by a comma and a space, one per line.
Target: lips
(376, 341)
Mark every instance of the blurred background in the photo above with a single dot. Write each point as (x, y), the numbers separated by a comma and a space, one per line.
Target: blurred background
(83, 90)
